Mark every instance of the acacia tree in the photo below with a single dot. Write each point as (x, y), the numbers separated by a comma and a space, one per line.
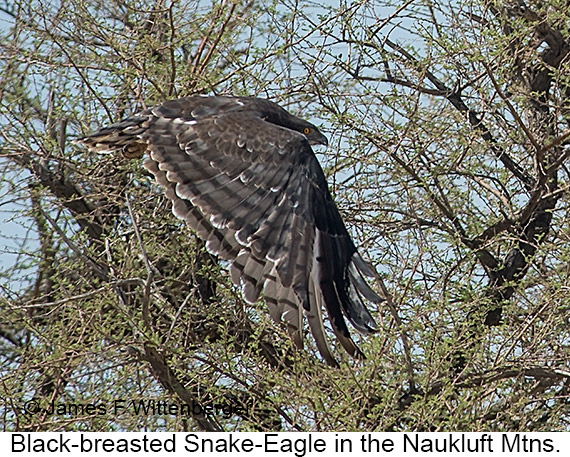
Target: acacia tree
(449, 129)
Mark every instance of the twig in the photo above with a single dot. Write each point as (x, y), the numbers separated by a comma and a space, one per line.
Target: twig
(149, 269)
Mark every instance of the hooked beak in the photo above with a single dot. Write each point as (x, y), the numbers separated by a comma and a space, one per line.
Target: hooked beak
(320, 140)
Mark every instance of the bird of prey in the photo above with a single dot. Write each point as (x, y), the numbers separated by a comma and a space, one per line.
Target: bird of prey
(242, 174)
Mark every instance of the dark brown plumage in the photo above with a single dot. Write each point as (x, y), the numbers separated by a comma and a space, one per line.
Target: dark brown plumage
(241, 172)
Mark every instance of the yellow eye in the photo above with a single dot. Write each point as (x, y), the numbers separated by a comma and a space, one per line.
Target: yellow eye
(306, 130)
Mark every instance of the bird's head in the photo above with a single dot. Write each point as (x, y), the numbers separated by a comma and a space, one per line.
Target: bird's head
(275, 114)
(314, 135)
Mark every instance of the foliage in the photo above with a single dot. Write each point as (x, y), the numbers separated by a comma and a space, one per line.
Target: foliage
(449, 125)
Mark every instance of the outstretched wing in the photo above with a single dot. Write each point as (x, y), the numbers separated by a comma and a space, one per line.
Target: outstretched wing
(255, 193)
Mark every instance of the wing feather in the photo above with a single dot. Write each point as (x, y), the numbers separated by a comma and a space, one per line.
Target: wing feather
(283, 307)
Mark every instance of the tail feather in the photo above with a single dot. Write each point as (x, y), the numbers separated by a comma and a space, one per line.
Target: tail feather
(124, 136)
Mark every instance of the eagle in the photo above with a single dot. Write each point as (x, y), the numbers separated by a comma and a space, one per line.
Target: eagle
(241, 172)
